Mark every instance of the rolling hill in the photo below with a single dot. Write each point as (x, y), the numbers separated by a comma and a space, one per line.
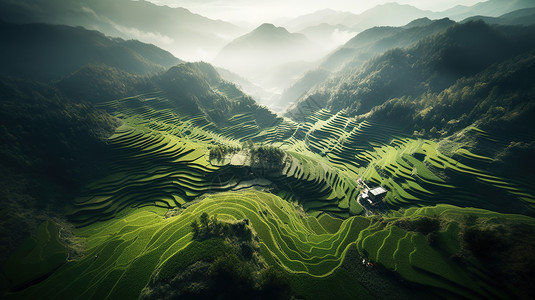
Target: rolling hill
(173, 183)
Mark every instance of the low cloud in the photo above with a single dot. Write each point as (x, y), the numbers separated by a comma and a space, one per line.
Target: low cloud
(145, 36)
(341, 36)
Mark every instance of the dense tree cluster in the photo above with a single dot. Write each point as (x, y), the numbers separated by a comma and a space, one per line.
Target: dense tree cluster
(210, 227)
(267, 157)
(98, 83)
(48, 134)
(490, 99)
(221, 151)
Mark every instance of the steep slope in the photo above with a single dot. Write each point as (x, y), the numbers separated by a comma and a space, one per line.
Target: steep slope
(431, 66)
(197, 88)
(360, 48)
(497, 101)
(190, 89)
(49, 147)
(50, 52)
(99, 82)
(301, 86)
(376, 40)
(185, 34)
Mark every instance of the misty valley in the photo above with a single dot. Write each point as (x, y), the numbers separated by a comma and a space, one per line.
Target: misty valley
(381, 152)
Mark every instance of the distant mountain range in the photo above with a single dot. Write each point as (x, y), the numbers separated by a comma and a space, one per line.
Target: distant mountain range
(189, 36)
(394, 14)
(50, 52)
(376, 40)
(491, 8)
(266, 51)
(333, 27)
(524, 16)
(362, 47)
(185, 34)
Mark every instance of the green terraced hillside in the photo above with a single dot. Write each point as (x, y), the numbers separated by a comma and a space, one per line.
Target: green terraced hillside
(127, 173)
(324, 158)
(136, 220)
(123, 254)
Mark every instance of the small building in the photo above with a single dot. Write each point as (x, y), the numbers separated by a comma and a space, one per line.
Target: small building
(377, 194)
(371, 195)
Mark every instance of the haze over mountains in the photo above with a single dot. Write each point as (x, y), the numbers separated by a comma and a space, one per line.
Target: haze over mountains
(382, 155)
(187, 35)
(269, 55)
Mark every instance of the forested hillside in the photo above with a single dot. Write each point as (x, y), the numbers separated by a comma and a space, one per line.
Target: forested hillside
(50, 146)
(432, 65)
(51, 52)
(404, 171)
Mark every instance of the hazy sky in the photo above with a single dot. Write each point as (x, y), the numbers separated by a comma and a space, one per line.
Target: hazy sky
(256, 11)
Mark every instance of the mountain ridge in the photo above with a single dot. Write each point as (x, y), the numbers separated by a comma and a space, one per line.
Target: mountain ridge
(50, 52)
(142, 20)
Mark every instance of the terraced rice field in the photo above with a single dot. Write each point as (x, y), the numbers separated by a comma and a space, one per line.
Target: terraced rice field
(161, 162)
(123, 253)
(413, 170)
(327, 154)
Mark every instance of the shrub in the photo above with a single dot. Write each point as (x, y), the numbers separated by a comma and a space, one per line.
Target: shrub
(267, 157)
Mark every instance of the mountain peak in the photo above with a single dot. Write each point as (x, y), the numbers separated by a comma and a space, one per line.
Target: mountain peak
(266, 26)
(269, 28)
(419, 22)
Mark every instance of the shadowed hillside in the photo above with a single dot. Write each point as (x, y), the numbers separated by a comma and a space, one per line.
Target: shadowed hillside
(50, 52)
